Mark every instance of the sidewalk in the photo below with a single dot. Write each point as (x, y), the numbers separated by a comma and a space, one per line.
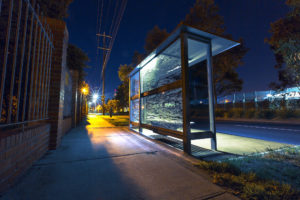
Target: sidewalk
(112, 163)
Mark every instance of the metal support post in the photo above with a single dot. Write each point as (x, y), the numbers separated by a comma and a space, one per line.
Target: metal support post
(211, 96)
(185, 93)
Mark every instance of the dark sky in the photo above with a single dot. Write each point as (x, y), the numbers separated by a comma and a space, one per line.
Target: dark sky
(249, 19)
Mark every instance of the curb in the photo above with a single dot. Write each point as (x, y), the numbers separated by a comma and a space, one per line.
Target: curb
(278, 122)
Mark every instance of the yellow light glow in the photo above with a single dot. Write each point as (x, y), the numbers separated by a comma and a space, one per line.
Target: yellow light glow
(84, 91)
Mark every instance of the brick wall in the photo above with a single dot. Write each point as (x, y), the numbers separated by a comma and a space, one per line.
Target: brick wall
(56, 100)
(18, 151)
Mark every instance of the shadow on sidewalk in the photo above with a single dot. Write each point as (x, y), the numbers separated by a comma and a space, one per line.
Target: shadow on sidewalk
(84, 167)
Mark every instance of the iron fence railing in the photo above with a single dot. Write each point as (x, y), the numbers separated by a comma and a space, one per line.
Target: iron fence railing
(25, 56)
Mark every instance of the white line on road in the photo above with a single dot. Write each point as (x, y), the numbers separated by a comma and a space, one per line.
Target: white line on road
(270, 128)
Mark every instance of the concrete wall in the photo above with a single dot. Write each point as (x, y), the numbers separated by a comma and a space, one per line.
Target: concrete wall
(18, 151)
(67, 125)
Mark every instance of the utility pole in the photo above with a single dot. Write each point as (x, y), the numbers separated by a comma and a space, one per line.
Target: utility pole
(105, 49)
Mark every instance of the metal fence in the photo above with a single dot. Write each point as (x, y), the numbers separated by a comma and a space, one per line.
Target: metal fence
(25, 56)
(288, 98)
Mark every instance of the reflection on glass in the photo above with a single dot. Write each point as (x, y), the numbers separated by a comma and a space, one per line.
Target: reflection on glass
(134, 110)
(163, 110)
(134, 84)
(198, 86)
(163, 69)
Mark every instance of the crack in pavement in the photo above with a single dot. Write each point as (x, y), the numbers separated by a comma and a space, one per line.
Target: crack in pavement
(90, 159)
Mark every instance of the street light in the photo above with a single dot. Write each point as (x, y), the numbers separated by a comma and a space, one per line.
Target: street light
(95, 97)
(85, 91)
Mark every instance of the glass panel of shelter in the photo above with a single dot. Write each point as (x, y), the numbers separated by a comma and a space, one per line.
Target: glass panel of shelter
(135, 101)
(161, 101)
(198, 86)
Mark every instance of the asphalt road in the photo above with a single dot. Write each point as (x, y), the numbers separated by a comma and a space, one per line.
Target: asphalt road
(283, 133)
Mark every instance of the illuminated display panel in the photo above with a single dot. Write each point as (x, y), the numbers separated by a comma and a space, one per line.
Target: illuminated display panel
(134, 84)
(134, 110)
(163, 69)
(163, 110)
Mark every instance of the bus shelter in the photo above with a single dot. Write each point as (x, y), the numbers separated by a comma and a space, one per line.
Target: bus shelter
(171, 90)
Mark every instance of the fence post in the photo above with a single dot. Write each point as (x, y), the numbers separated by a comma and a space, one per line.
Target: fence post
(22, 60)
(13, 70)
(7, 39)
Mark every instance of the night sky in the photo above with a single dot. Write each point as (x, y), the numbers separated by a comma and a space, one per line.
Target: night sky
(249, 19)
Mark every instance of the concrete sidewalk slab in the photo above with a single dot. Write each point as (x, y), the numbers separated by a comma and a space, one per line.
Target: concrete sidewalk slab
(112, 163)
(239, 145)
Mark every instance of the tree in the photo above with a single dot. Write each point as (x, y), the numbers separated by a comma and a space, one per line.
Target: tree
(57, 9)
(204, 15)
(285, 43)
(154, 38)
(122, 94)
(76, 60)
(123, 72)
(114, 105)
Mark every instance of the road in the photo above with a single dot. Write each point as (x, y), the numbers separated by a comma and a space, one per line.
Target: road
(288, 134)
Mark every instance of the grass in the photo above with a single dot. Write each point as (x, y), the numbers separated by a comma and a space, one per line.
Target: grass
(118, 120)
(274, 175)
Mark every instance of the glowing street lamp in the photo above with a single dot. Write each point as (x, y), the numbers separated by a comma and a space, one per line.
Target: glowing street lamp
(85, 91)
(95, 97)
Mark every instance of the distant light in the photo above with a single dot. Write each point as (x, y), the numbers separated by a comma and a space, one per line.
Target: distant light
(85, 91)
(269, 95)
(95, 97)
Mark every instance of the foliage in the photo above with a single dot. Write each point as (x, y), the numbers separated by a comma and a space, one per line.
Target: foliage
(114, 105)
(122, 94)
(285, 43)
(76, 60)
(123, 72)
(204, 15)
(57, 9)
(252, 113)
(154, 38)
(247, 185)
(117, 120)
(4, 111)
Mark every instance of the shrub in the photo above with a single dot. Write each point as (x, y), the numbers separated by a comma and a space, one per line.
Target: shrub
(247, 185)
(250, 113)
(220, 167)
(238, 112)
(230, 113)
(266, 114)
(220, 112)
(287, 113)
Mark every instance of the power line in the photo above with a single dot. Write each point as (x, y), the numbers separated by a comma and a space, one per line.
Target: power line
(106, 35)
